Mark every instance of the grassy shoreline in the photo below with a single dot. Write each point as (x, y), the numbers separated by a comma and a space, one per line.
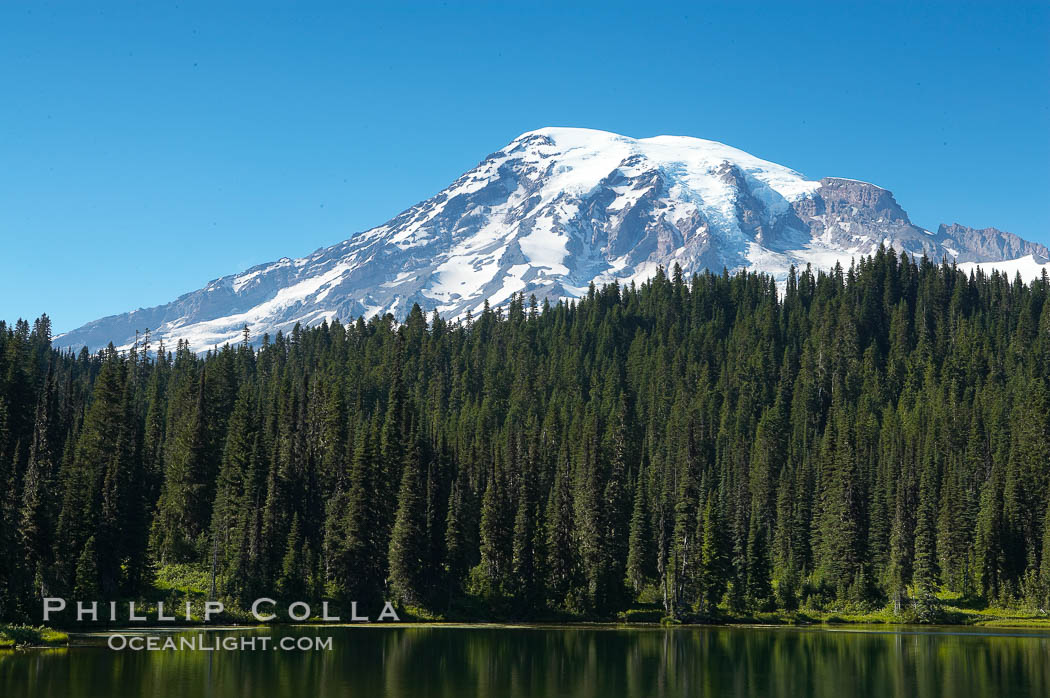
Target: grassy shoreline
(23, 636)
(18, 636)
(953, 616)
(179, 584)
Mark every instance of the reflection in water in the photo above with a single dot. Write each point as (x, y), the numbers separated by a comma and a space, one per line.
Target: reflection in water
(585, 662)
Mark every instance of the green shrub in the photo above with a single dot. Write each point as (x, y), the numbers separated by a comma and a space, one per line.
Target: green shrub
(22, 635)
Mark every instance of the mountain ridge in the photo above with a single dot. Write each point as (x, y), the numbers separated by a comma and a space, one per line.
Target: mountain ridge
(553, 211)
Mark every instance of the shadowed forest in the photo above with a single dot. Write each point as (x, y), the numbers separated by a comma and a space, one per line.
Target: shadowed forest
(864, 439)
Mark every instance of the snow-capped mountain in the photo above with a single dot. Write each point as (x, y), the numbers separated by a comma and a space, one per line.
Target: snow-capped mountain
(548, 214)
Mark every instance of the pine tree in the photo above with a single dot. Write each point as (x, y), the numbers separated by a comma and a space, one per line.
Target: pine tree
(391, 443)
(640, 563)
(759, 570)
(292, 583)
(561, 561)
(184, 506)
(460, 535)
(587, 511)
(989, 548)
(37, 516)
(712, 576)
(615, 514)
(902, 537)
(526, 586)
(87, 585)
(358, 563)
(408, 570)
(101, 448)
(1044, 570)
(841, 518)
(954, 535)
(925, 566)
(492, 575)
(237, 493)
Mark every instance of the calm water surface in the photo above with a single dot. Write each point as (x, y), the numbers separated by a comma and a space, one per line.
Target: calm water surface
(556, 661)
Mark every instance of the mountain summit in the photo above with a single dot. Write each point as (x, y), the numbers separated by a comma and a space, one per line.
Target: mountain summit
(553, 211)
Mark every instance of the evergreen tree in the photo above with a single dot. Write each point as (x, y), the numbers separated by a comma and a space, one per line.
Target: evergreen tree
(408, 569)
(640, 563)
(292, 583)
(561, 561)
(460, 535)
(359, 562)
(925, 566)
(712, 577)
(87, 585)
(492, 574)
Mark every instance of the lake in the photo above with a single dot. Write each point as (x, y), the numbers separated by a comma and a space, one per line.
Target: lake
(548, 661)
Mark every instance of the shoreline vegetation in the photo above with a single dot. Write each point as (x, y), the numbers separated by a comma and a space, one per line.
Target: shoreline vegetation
(864, 445)
(43, 637)
(19, 636)
(180, 585)
(177, 584)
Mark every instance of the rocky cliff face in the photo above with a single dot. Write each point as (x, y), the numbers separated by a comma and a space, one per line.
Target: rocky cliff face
(848, 214)
(989, 244)
(548, 214)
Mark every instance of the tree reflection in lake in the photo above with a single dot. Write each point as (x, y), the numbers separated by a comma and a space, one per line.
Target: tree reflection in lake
(423, 662)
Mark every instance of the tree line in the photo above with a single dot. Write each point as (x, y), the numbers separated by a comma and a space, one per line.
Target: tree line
(864, 437)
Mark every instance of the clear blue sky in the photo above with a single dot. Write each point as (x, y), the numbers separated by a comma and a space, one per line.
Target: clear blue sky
(146, 151)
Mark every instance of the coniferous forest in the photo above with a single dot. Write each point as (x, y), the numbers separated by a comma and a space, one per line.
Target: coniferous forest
(868, 438)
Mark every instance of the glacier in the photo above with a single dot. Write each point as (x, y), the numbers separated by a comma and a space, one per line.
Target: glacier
(550, 213)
